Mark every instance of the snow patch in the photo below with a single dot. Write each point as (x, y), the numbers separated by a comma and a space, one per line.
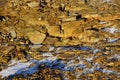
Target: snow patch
(110, 40)
(23, 68)
(51, 48)
(47, 54)
(17, 69)
(110, 30)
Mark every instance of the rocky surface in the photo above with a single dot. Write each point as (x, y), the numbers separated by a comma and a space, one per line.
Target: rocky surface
(59, 39)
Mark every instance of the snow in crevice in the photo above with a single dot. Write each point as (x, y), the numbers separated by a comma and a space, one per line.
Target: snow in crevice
(51, 61)
(94, 51)
(111, 30)
(115, 56)
(112, 40)
(16, 69)
(47, 54)
(51, 48)
(23, 68)
(73, 48)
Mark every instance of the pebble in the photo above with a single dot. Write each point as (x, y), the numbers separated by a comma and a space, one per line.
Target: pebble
(13, 34)
(33, 4)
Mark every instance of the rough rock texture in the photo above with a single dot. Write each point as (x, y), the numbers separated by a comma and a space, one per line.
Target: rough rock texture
(59, 39)
(36, 37)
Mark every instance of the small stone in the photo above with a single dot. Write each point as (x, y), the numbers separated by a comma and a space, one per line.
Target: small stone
(36, 37)
(33, 4)
(13, 34)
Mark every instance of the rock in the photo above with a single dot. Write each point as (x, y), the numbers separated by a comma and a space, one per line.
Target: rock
(7, 49)
(54, 31)
(13, 34)
(70, 28)
(36, 37)
(50, 40)
(33, 4)
(89, 36)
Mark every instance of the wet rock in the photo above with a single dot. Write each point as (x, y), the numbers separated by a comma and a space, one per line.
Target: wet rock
(36, 37)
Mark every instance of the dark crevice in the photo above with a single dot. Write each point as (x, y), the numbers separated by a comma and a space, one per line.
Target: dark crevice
(2, 18)
(94, 29)
(78, 17)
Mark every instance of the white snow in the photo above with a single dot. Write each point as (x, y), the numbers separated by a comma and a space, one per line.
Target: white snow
(89, 58)
(17, 69)
(22, 68)
(13, 62)
(110, 40)
(107, 71)
(47, 54)
(96, 51)
(51, 48)
(111, 30)
(117, 56)
(103, 22)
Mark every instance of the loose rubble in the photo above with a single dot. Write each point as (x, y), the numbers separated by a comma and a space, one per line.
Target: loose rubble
(59, 39)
